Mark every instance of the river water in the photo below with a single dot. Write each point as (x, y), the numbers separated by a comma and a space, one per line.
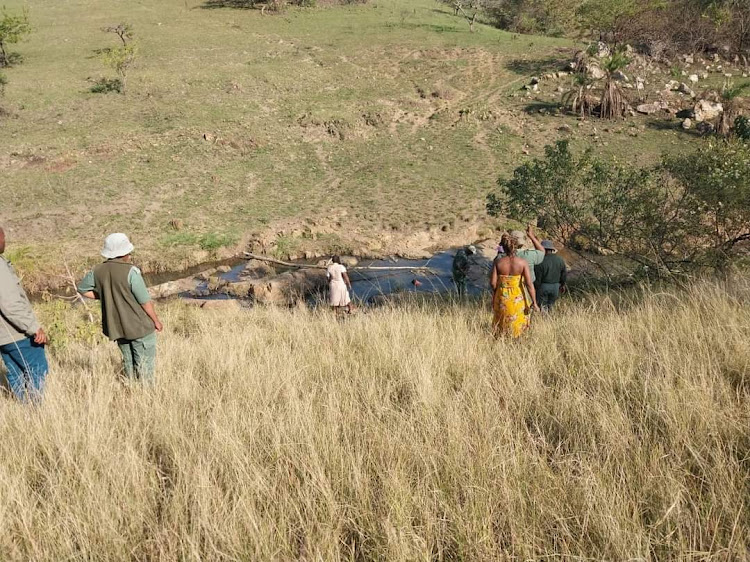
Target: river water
(433, 275)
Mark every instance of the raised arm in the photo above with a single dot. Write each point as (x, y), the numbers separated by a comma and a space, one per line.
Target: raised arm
(534, 239)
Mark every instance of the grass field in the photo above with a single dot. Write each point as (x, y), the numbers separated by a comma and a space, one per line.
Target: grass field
(617, 431)
(389, 116)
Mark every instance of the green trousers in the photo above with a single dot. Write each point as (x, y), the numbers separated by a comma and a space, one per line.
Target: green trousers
(139, 357)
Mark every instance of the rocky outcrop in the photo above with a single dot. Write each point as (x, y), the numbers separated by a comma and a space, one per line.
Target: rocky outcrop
(286, 288)
(705, 110)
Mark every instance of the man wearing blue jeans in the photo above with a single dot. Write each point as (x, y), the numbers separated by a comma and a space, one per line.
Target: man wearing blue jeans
(22, 339)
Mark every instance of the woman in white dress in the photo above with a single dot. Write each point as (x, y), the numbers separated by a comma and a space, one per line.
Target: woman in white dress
(339, 285)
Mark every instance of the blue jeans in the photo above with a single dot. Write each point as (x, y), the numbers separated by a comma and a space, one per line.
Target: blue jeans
(27, 368)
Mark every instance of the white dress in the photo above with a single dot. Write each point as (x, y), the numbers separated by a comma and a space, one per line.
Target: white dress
(338, 294)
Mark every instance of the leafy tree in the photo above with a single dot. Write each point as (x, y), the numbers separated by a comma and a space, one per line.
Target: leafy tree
(689, 211)
(717, 178)
(12, 30)
(603, 17)
(120, 58)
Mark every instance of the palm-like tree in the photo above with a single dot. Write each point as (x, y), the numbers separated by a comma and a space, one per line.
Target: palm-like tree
(578, 98)
(613, 104)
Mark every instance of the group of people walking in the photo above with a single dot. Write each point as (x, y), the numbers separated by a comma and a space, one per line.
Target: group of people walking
(527, 274)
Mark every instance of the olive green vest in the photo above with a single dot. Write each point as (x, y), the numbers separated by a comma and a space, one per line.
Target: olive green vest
(122, 315)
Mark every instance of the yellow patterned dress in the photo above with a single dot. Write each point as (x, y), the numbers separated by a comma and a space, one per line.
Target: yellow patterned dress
(509, 306)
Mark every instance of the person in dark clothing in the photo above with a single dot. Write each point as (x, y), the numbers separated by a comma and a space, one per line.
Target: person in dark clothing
(551, 276)
(461, 266)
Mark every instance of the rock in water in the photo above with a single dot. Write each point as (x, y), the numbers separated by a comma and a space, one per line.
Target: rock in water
(257, 269)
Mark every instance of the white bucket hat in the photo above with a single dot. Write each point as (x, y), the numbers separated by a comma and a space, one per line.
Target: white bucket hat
(116, 245)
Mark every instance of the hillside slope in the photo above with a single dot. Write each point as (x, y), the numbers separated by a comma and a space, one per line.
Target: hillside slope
(384, 117)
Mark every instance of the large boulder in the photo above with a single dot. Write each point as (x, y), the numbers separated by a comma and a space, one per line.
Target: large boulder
(285, 289)
(705, 110)
(651, 108)
(257, 269)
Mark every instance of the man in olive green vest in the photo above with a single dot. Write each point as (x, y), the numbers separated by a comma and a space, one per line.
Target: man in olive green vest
(128, 315)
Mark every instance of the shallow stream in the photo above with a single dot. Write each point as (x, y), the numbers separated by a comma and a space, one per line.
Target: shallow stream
(434, 277)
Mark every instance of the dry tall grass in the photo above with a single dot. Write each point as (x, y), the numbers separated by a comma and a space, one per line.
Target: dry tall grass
(620, 430)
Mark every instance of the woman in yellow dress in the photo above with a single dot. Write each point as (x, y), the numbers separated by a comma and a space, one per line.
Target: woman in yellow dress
(511, 309)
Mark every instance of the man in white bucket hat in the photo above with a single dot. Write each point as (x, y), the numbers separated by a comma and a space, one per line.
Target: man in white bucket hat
(128, 315)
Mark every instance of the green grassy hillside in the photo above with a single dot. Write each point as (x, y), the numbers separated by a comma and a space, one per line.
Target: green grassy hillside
(389, 116)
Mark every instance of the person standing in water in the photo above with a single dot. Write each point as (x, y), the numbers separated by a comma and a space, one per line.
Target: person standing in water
(339, 286)
(510, 273)
(461, 266)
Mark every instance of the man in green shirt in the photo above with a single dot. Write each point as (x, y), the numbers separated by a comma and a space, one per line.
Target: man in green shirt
(128, 315)
(529, 248)
(551, 276)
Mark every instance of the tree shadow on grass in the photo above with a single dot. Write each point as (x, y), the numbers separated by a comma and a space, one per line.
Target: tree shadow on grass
(670, 125)
(428, 27)
(235, 4)
(536, 107)
(536, 66)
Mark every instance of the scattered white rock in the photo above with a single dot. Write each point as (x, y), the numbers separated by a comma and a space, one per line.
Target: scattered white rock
(685, 89)
(693, 78)
(687, 124)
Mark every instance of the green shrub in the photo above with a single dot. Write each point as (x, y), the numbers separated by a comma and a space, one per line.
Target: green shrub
(107, 85)
(742, 128)
(12, 30)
